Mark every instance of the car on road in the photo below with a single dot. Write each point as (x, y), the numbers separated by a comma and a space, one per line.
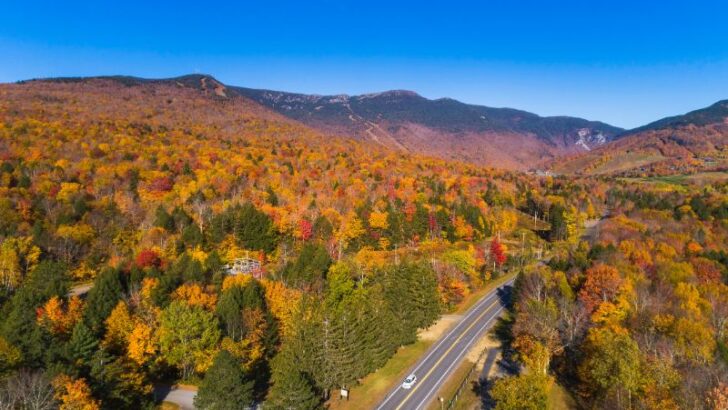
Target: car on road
(409, 381)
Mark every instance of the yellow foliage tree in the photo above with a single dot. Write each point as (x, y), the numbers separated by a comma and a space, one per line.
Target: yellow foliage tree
(119, 326)
(81, 233)
(235, 280)
(142, 343)
(58, 318)
(74, 394)
(68, 189)
(194, 295)
(378, 220)
(282, 302)
(9, 355)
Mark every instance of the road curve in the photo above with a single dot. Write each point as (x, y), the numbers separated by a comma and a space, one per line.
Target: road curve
(443, 357)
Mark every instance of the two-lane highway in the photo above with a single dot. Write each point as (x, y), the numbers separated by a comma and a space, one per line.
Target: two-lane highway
(444, 356)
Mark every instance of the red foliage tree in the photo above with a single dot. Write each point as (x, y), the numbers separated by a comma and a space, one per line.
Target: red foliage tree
(162, 184)
(432, 223)
(602, 284)
(706, 271)
(306, 229)
(148, 258)
(497, 252)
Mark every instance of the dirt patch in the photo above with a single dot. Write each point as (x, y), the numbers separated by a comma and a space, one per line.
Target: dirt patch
(434, 332)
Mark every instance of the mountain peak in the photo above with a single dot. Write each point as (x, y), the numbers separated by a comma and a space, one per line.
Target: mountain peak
(391, 93)
(203, 82)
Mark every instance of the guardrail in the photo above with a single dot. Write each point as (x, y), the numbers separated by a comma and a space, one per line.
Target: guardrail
(466, 380)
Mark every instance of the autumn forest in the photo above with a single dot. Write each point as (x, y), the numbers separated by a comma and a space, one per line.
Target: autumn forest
(124, 205)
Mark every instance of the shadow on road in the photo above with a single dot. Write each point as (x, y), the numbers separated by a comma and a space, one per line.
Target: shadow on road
(495, 366)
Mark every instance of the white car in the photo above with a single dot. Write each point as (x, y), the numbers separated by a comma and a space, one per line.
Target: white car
(409, 381)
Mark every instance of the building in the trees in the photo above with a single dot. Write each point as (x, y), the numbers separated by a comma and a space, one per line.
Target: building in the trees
(245, 266)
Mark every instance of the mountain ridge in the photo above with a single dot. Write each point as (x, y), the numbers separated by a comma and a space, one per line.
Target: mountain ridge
(406, 121)
(444, 127)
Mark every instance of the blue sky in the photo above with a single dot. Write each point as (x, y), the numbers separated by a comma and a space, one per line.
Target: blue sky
(623, 62)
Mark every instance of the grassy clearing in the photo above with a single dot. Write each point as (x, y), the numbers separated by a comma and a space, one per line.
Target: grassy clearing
(616, 163)
(525, 221)
(626, 162)
(673, 181)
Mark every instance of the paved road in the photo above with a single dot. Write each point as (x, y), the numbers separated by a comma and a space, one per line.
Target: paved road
(184, 398)
(443, 358)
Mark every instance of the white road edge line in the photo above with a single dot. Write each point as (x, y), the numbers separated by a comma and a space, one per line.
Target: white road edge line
(433, 349)
(459, 357)
(442, 340)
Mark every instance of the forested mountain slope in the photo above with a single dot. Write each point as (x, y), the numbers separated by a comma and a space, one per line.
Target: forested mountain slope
(404, 120)
(696, 141)
(152, 190)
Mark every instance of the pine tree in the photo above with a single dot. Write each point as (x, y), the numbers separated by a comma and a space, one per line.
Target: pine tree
(290, 387)
(225, 385)
(83, 343)
(163, 219)
(558, 223)
(192, 236)
(119, 382)
(254, 229)
(18, 316)
(231, 304)
(374, 320)
(194, 271)
(309, 268)
(102, 299)
(181, 218)
(322, 228)
(410, 291)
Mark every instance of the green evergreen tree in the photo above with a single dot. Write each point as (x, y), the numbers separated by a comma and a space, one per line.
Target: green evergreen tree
(310, 266)
(102, 299)
(181, 218)
(291, 388)
(395, 222)
(229, 309)
(213, 264)
(119, 382)
(557, 218)
(192, 236)
(420, 222)
(162, 219)
(272, 197)
(252, 228)
(411, 294)
(194, 272)
(20, 328)
(224, 386)
(83, 343)
(18, 324)
(322, 228)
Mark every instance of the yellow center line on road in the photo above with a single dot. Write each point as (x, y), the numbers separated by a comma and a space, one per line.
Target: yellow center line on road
(444, 355)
